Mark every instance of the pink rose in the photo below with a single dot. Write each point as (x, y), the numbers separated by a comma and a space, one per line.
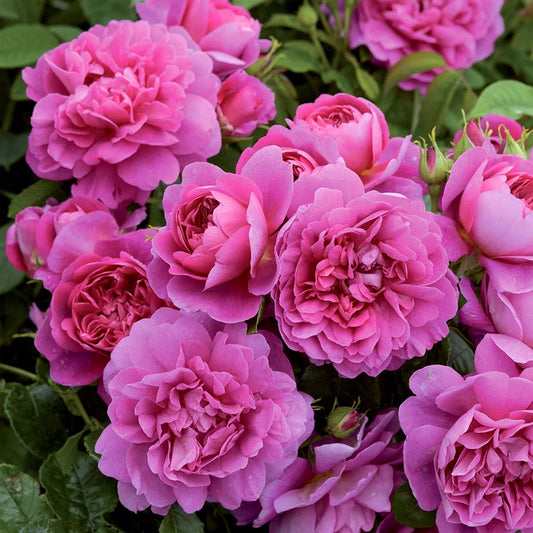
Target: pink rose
(96, 302)
(389, 525)
(506, 300)
(491, 197)
(503, 353)
(121, 108)
(227, 33)
(363, 281)
(244, 103)
(468, 451)
(461, 32)
(349, 482)
(300, 148)
(199, 411)
(44, 241)
(216, 253)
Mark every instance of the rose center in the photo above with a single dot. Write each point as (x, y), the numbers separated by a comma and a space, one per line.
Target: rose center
(521, 186)
(192, 220)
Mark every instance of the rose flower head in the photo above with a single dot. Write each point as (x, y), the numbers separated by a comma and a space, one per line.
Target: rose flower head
(199, 412)
(97, 300)
(121, 108)
(216, 253)
(363, 281)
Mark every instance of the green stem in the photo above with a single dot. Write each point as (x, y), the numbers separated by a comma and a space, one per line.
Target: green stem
(81, 410)
(8, 116)
(19, 372)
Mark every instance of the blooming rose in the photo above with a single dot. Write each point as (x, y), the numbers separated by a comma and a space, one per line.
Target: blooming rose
(120, 108)
(468, 451)
(490, 196)
(199, 411)
(244, 102)
(227, 33)
(506, 300)
(503, 353)
(43, 241)
(361, 133)
(350, 481)
(216, 252)
(461, 32)
(96, 302)
(300, 148)
(364, 282)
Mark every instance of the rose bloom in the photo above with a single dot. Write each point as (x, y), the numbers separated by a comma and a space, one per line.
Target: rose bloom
(350, 481)
(468, 451)
(461, 32)
(121, 108)
(96, 302)
(244, 103)
(363, 282)
(43, 241)
(300, 148)
(490, 196)
(361, 133)
(503, 353)
(200, 411)
(506, 304)
(216, 253)
(389, 525)
(227, 33)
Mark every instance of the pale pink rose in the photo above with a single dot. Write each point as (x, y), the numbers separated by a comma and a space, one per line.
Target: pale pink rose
(490, 196)
(468, 448)
(244, 103)
(226, 32)
(200, 411)
(462, 32)
(44, 241)
(121, 108)
(348, 483)
(506, 304)
(363, 282)
(216, 253)
(98, 299)
(300, 148)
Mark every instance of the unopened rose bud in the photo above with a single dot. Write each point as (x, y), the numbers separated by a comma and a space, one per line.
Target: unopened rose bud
(514, 147)
(307, 15)
(343, 421)
(433, 166)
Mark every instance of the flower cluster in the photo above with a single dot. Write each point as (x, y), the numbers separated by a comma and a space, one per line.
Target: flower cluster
(313, 254)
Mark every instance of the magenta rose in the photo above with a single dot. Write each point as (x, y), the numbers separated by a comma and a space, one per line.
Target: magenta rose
(216, 253)
(349, 482)
(98, 299)
(300, 148)
(226, 32)
(121, 108)
(244, 103)
(363, 282)
(468, 450)
(200, 411)
(44, 241)
(490, 196)
(461, 32)
(506, 300)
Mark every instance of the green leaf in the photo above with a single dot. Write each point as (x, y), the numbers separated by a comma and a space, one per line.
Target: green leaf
(368, 84)
(461, 354)
(18, 90)
(23, 44)
(280, 20)
(34, 195)
(299, 56)
(12, 147)
(64, 32)
(248, 4)
(38, 417)
(344, 80)
(178, 521)
(438, 98)
(13, 313)
(76, 490)
(10, 277)
(412, 64)
(11, 451)
(509, 98)
(21, 504)
(407, 511)
(22, 10)
(101, 12)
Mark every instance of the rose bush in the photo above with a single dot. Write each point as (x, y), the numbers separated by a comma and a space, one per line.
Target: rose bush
(121, 108)
(199, 411)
